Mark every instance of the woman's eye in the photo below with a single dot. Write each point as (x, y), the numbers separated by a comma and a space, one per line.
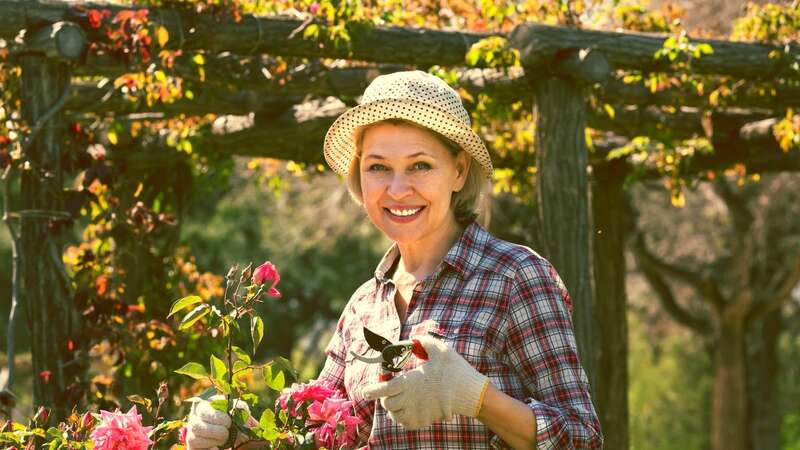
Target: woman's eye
(376, 168)
(421, 166)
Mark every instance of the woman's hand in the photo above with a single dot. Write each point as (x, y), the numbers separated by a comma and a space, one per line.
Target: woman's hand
(447, 384)
(208, 427)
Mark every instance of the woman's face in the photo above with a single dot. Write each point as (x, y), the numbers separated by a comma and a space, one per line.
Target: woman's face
(407, 179)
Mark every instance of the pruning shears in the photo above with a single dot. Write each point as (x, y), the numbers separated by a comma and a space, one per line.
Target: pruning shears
(392, 356)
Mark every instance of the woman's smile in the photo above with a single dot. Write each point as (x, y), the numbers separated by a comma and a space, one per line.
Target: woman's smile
(403, 214)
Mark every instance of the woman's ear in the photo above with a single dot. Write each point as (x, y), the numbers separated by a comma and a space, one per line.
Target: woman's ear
(462, 169)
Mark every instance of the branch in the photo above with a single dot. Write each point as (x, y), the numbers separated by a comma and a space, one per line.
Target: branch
(736, 204)
(782, 293)
(654, 273)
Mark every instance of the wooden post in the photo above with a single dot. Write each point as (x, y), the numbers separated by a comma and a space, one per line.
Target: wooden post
(611, 355)
(559, 84)
(45, 288)
(561, 189)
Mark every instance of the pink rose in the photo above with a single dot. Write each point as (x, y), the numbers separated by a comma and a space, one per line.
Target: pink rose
(265, 273)
(333, 412)
(121, 431)
(311, 391)
(182, 435)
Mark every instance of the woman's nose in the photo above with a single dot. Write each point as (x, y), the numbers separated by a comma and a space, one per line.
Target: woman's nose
(399, 186)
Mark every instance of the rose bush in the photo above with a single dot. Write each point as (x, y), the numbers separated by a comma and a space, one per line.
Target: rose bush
(310, 415)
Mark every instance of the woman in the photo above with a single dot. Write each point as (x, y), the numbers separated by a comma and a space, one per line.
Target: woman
(494, 317)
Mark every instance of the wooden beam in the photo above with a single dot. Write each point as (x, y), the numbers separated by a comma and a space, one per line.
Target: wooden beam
(420, 47)
(540, 44)
(236, 86)
(298, 132)
(258, 34)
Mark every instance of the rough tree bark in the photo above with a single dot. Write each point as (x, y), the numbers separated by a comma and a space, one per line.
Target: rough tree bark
(561, 161)
(45, 287)
(762, 377)
(611, 350)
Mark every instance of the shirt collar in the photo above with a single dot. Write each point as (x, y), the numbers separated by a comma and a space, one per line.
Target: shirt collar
(464, 256)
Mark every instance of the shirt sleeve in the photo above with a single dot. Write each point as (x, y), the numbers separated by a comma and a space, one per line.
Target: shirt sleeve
(333, 371)
(542, 349)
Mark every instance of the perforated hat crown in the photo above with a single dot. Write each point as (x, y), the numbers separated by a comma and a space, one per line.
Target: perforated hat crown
(415, 96)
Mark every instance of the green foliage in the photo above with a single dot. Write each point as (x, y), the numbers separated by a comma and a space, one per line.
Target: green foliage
(669, 391)
(494, 51)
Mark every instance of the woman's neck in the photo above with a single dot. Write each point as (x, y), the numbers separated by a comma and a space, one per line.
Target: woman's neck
(420, 258)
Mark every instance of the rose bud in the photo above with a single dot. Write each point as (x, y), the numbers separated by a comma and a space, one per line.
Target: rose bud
(42, 414)
(246, 272)
(87, 421)
(163, 391)
(231, 273)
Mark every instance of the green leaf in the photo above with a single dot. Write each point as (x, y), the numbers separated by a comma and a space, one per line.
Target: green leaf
(241, 415)
(241, 368)
(241, 354)
(194, 370)
(705, 49)
(267, 424)
(609, 110)
(311, 32)
(167, 426)
(256, 331)
(283, 415)
(196, 314)
(183, 303)
(223, 386)
(277, 382)
(138, 399)
(218, 369)
(220, 405)
(473, 55)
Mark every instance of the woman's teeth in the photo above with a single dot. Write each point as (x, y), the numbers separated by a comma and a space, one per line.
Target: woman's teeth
(404, 212)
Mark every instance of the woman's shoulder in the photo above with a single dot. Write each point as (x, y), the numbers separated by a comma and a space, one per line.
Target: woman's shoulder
(512, 260)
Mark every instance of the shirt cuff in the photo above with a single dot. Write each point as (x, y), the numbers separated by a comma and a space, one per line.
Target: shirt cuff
(548, 434)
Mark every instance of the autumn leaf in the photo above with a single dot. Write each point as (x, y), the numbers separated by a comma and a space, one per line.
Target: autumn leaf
(162, 35)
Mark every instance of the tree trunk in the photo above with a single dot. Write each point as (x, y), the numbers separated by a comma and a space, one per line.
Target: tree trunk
(45, 290)
(762, 373)
(611, 348)
(729, 427)
(561, 159)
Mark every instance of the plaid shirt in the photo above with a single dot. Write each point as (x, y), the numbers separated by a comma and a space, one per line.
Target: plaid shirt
(506, 311)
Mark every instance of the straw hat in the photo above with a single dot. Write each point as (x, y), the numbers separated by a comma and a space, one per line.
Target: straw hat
(415, 96)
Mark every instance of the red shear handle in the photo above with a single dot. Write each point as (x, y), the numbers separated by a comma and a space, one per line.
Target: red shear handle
(385, 377)
(418, 350)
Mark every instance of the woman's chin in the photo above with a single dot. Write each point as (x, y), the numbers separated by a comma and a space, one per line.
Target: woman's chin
(402, 234)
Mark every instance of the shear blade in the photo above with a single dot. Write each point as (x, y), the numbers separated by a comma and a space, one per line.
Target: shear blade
(367, 359)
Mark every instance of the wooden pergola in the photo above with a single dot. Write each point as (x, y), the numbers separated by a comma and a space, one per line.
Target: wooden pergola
(585, 241)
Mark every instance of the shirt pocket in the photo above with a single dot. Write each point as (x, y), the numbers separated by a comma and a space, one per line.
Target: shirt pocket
(477, 338)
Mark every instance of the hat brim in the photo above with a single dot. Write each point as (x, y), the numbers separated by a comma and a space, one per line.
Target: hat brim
(340, 147)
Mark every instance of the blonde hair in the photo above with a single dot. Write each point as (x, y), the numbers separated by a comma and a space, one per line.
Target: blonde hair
(468, 204)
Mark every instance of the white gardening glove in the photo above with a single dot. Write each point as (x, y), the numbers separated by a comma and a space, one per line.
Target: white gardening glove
(208, 427)
(447, 384)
